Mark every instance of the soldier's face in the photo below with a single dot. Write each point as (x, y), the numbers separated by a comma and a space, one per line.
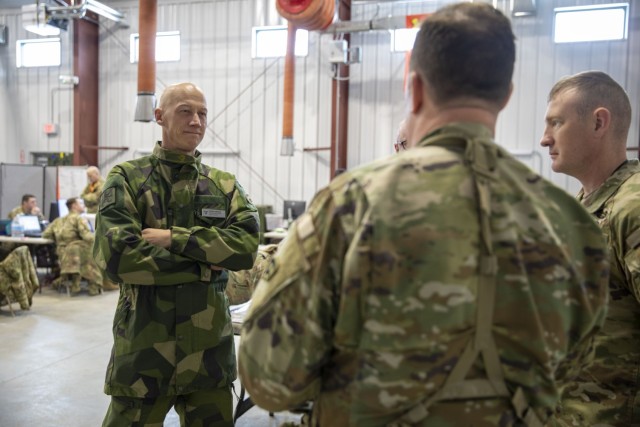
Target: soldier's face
(92, 176)
(183, 121)
(78, 206)
(572, 147)
(29, 205)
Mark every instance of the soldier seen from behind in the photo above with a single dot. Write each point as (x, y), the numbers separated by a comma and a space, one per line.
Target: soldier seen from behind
(167, 227)
(447, 285)
(74, 240)
(587, 123)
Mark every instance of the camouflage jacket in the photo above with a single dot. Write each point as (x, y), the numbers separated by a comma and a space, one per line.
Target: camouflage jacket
(608, 393)
(74, 241)
(67, 229)
(172, 327)
(18, 210)
(18, 278)
(372, 297)
(91, 196)
(242, 284)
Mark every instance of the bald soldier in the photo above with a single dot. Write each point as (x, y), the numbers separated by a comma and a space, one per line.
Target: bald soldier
(448, 285)
(168, 226)
(92, 191)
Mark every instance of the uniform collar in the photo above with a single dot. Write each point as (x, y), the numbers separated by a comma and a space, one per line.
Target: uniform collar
(461, 129)
(598, 198)
(175, 157)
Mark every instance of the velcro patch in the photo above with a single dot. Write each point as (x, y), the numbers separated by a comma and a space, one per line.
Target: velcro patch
(108, 198)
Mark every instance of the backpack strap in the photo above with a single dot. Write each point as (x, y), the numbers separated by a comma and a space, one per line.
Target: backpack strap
(481, 159)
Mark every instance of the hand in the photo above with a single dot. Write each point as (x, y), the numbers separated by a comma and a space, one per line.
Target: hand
(35, 210)
(157, 236)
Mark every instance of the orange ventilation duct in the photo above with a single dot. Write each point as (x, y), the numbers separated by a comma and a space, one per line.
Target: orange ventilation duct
(307, 15)
(147, 23)
(289, 80)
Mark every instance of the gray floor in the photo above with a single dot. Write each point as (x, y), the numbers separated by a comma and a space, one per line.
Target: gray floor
(53, 359)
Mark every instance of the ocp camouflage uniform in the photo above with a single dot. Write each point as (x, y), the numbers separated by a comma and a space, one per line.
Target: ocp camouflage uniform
(18, 210)
(383, 289)
(172, 327)
(608, 392)
(91, 195)
(242, 284)
(18, 278)
(74, 242)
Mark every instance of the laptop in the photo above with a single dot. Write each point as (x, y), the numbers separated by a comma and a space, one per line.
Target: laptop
(31, 225)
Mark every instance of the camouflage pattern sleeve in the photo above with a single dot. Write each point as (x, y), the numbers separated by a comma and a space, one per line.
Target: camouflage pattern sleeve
(83, 229)
(286, 340)
(232, 246)
(625, 231)
(122, 253)
(48, 232)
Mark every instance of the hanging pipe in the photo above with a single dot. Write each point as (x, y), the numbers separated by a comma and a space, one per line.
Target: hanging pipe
(289, 80)
(147, 24)
(308, 15)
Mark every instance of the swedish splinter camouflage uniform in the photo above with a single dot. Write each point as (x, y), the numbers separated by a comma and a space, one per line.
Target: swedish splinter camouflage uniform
(18, 278)
(608, 392)
(91, 195)
(172, 328)
(74, 242)
(242, 284)
(376, 293)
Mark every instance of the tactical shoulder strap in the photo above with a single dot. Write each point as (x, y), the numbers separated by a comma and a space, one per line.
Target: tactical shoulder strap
(481, 159)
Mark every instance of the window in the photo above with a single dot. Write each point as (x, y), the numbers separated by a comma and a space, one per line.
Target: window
(167, 47)
(38, 53)
(591, 23)
(402, 39)
(271, 42)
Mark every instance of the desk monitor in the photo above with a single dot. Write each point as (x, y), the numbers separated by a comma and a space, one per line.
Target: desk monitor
(293, 209)
(58, 209)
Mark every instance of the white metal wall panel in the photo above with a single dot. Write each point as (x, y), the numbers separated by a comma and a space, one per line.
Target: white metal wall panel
(31, 97)
(245, 95)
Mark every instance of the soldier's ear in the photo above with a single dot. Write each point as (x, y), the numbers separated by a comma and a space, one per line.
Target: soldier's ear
(158, 115)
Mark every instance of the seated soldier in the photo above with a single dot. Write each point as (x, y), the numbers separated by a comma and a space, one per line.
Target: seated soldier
(241, 284)
(18, 278)
(29, 206)
(74, 241)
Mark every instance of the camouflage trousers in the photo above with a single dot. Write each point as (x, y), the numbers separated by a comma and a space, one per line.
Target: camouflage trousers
(205, 408)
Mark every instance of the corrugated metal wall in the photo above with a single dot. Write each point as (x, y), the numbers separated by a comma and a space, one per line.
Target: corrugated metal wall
(245, 95)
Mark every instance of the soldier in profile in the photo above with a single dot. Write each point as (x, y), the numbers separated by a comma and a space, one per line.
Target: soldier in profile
(587, 123)
(74, 241)
(447, 285)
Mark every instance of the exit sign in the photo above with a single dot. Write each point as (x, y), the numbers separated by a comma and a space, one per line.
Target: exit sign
(50, 129)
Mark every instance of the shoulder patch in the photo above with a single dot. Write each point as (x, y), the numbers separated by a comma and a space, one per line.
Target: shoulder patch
(108, 198)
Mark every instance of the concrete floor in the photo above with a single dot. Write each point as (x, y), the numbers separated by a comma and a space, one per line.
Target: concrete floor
(53, 360)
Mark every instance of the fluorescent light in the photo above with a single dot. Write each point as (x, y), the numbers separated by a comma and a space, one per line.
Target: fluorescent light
(34, 19)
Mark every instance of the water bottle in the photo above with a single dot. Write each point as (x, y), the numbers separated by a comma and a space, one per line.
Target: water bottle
(17, 230)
